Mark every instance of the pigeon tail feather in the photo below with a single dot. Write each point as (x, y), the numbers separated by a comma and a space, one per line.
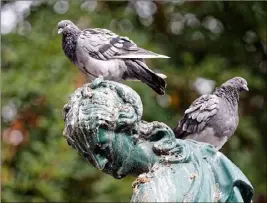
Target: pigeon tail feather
(138, 69)
(162, 75)
(139, 55)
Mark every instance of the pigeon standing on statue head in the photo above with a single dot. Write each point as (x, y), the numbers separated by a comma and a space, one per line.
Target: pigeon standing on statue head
(213, 118)
(102, 53)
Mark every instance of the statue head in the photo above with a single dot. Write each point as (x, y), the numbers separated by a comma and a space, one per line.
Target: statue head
(103, 123)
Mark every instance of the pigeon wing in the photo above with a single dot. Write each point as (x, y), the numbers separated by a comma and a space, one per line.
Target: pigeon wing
(104, 45)
(197, 115)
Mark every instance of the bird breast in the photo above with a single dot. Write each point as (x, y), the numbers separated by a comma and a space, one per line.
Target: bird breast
(226, 120)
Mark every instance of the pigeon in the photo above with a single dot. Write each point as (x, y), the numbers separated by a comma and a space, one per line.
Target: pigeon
(213, 118)
(101, 53)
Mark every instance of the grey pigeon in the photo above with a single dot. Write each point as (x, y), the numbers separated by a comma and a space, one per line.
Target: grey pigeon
(102, 53)
(213, 118)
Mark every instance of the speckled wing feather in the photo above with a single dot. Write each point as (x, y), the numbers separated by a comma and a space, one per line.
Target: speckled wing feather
(197, 115)
(104, 45)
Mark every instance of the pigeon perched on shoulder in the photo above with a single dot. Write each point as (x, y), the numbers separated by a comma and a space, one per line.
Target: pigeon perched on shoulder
(213, 118)
(102, 53)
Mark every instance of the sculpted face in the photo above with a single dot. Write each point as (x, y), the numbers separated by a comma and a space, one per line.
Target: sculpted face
(110, 151)
(103, 123)
(106, 124)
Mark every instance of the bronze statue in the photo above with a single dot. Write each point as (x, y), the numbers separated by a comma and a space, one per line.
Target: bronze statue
(103, 123)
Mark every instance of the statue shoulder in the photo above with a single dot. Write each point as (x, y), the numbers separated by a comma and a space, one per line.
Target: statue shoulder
(163, 184)
(200, 166)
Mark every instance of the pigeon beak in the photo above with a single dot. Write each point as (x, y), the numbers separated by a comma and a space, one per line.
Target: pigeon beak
(59, 31)
(245, 87)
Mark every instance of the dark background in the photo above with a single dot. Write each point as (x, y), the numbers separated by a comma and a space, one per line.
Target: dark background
(208, 42)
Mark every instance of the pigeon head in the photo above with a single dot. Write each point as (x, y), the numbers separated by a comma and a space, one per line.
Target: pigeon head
(65, 25)
(238, 83)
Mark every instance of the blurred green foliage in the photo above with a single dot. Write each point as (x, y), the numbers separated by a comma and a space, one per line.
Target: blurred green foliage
(212, 40)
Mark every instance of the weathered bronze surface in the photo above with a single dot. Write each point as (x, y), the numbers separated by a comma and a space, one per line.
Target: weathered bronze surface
(103, 123)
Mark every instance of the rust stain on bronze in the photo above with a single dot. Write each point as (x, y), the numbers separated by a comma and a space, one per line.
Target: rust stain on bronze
(140, 180)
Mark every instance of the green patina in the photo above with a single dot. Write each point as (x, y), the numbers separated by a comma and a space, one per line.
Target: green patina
(103, 123)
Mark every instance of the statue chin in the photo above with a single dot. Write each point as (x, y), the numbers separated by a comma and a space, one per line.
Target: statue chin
(103, 123)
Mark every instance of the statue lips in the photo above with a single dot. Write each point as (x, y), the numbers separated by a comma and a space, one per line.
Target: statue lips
(97, 160)
(100, 163)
